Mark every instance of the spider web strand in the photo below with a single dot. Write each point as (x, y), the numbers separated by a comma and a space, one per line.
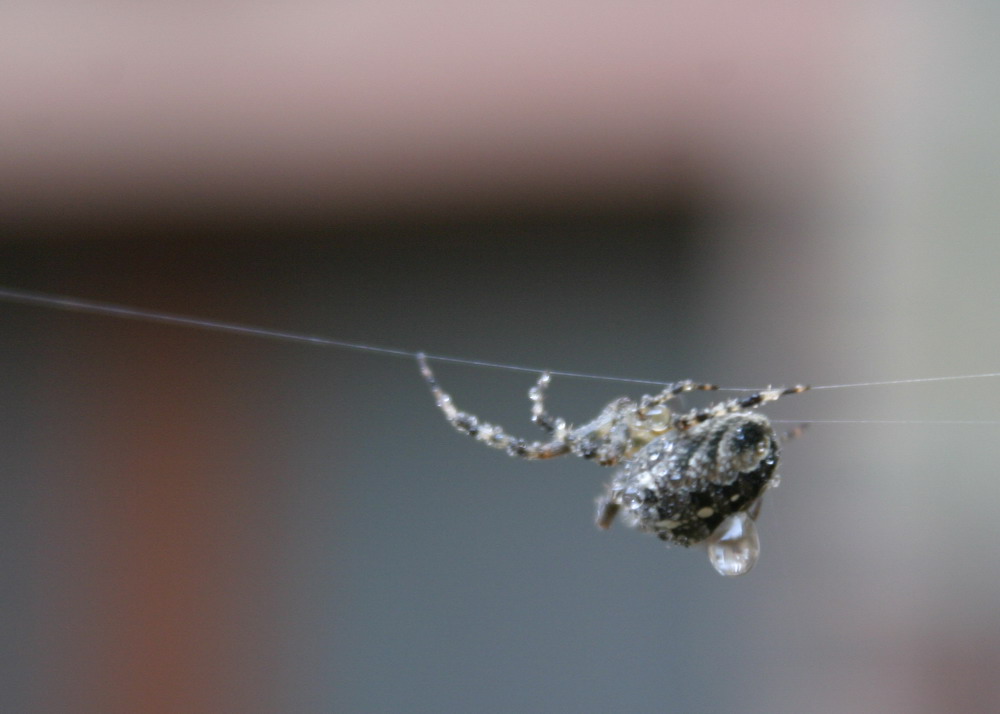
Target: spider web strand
(94, 307)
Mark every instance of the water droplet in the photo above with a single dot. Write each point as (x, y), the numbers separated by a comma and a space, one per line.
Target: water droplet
(657, 419)
(630, 500)
(733, 547)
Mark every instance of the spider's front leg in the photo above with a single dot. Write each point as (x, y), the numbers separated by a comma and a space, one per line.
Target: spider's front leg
(738, 404)
(648, 404)
(653, 418)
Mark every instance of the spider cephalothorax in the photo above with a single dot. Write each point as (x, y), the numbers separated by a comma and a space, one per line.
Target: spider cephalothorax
(688, 478)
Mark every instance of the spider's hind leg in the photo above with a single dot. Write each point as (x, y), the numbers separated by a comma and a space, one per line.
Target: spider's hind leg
(553, 425)
(489, 434)
(606, 439)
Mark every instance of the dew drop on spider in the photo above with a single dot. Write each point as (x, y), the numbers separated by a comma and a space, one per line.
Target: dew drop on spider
(733, 547)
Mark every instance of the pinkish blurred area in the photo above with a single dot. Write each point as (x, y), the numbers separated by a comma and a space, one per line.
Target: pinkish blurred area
(318, 110)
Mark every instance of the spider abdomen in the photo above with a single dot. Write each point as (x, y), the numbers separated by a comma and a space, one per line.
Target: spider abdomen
(682, 485)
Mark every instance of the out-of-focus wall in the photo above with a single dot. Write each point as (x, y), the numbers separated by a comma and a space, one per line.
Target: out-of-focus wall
(347, 110)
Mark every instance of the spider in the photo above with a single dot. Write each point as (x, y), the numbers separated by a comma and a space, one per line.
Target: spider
(685, 477)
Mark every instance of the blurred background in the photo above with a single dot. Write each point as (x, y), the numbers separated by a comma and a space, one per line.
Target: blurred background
(739, 193)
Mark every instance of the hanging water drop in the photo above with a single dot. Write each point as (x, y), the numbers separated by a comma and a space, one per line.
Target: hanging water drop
(733, 547)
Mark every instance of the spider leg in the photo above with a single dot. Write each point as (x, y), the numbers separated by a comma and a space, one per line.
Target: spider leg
(607, 439)
(489, 434)
(732, 406)
(670, 392)
(539, 415)
(607, 509)
(794, 433)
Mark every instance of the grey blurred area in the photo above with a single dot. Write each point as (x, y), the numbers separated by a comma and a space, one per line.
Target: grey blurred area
(195, 521)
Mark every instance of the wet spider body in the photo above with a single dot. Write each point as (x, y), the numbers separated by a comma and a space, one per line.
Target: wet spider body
(683, 485)
(687, 478)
